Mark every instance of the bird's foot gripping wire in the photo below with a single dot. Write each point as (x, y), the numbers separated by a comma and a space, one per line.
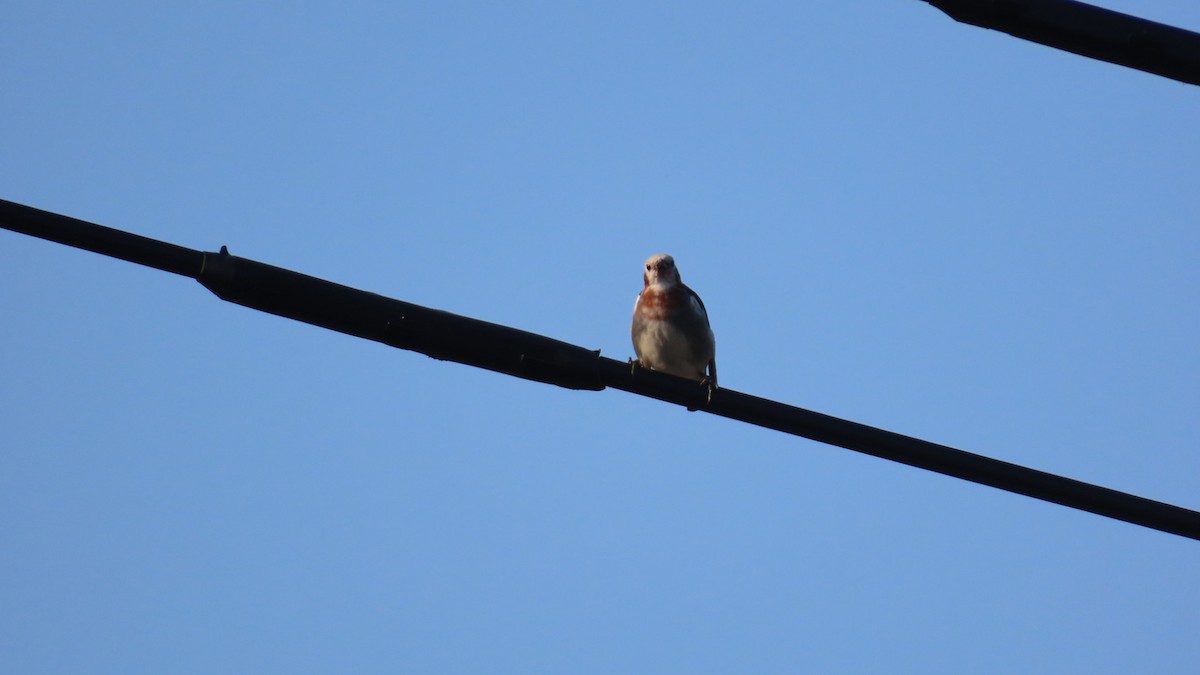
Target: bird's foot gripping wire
(634, 364)
(710, 386)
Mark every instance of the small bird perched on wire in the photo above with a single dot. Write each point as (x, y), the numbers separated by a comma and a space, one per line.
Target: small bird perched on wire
(670, 326)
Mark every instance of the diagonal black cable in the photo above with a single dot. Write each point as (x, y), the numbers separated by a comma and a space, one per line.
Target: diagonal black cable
(1088, 30)
(451, 337)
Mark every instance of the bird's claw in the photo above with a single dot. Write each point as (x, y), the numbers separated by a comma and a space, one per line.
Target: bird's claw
(634, 364)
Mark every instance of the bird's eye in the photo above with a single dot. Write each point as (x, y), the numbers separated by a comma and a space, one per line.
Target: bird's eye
(647, 268)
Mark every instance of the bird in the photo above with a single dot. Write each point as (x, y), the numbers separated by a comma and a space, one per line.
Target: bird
(670, 330)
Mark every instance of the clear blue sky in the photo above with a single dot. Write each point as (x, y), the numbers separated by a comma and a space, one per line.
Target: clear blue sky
(892, 217)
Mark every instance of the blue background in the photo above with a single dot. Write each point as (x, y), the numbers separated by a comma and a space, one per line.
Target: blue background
(894, 218)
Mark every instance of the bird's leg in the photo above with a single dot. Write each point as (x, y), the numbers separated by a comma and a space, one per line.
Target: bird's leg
(634, 364)
(710, 382)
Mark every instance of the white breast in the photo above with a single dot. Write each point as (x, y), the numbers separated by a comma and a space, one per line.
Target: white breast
(661, 345)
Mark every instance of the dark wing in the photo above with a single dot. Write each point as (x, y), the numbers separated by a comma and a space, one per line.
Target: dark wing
(712, 363)
(693, 295)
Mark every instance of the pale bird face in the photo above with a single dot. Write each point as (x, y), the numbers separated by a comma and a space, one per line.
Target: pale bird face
(660, 269)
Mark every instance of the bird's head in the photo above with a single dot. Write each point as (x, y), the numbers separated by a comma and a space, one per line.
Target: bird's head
(660, 269)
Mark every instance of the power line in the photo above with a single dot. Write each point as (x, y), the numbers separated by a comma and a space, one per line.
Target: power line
(451, 337)
(1088, 30)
